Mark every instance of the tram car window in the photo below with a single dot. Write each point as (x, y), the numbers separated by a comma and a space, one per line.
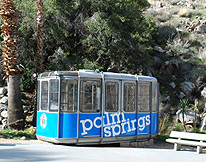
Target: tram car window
(69, 95)
(154, 98)
(54, 94)
(112, 93)
(129, 97)
(90, 96)
(144, 97)
(44, 95)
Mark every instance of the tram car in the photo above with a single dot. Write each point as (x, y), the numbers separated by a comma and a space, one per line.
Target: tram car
(92, 107)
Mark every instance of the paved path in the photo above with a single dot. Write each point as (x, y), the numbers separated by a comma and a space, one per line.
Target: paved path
(59, 153)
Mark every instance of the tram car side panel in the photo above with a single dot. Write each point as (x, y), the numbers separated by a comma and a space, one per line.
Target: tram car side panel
(68, 125)
(47, 124)
(90, 125)
(120, 124)
(155, 123)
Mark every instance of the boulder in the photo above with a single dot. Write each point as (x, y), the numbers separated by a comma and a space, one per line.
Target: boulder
(4, 114)
(201, 29)
(169, 54)
(182, 95)
(188, 118)
(3, 91)
(187, 87)
(169, 68)
(203, 123)
(190, 5)
(4, 100)
(4, 123)
(3, 107)
(159, 49)
(172, 84)
(203, 92)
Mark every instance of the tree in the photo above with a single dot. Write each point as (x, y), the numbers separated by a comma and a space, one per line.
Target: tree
(184, 110)
(119, 35)
(10, 49)
(40, 5)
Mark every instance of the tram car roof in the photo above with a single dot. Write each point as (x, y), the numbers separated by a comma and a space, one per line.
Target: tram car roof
(96, 74)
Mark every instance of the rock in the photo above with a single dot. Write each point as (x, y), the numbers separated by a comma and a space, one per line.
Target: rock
(159, 4)
(169, 54)
(172, 84)
(187, 87)
(203, 92)
(169, 68)
(182, 95)
(3, 107)
(4, 123)
(4, 100)
(23, 138)
(3, 91)
(203, 124)
(188, 118)
(190, 5)
(201, 29)
(167, 31)
(4, 114)
(159, 49)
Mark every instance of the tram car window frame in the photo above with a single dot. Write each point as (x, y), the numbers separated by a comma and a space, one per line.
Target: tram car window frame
(69, 95)
(129, 99)
(44, 95)
(90, 96)
(112, 96)
(54, 95)
(154, 97)
(144, 92)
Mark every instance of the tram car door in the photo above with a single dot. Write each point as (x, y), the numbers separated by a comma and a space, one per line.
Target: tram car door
(90, 115)
(147, 108)
(120, 118)
(48, 112)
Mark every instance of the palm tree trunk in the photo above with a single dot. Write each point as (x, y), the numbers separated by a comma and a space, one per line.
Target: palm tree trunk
(39, 34)
(10, 49)
(39, 67)
(15, 111)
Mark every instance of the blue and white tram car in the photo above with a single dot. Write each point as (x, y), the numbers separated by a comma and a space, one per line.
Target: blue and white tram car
(84, 107)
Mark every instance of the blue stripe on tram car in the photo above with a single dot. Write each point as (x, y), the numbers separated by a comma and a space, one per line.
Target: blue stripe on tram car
(155, 123)
(116, 124)
(144, 123)
(47, 124)
(89, 125)
(68, 125)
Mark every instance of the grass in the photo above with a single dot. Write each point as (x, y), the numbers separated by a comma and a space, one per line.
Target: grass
(15, 134)
(161, 138)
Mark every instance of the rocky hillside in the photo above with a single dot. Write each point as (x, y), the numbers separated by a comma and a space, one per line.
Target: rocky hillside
(179, 61)
(180, 57)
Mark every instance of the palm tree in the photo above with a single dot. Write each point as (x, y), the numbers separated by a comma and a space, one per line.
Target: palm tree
(39, 34)
(10, 49)
(184, 110)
